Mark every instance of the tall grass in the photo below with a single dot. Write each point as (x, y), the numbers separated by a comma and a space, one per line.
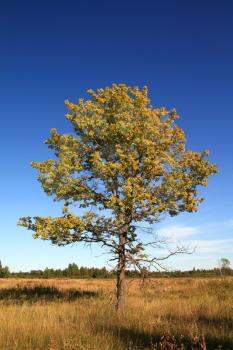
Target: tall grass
(80, 314)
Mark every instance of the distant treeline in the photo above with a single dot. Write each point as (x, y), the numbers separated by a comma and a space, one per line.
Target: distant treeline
(74, 271)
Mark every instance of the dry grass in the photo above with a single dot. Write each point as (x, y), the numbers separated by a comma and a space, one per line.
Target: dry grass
(80, 315)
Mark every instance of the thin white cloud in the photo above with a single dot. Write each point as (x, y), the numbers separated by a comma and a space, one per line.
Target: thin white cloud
(214, 246)
(178, 231)
(208, 246)
(182, 231)
(227, 224)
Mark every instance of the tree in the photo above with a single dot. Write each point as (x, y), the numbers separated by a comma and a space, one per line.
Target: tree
(4, 271)
(126, 163)
(224, 265)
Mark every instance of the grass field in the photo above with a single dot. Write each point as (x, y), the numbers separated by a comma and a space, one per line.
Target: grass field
(80, 314)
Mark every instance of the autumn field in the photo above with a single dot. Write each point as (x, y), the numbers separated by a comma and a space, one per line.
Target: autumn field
(80, 314)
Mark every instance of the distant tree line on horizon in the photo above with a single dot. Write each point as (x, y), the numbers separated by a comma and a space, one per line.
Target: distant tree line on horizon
(74, 271)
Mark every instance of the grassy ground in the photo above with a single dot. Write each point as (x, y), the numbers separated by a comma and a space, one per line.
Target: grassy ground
(80, 315)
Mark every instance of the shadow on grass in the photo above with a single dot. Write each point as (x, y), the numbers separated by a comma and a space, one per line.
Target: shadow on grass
(41, 293)
(136, 339)
(215, 322)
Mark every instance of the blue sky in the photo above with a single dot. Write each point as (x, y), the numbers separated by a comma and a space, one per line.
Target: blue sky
(54, 50)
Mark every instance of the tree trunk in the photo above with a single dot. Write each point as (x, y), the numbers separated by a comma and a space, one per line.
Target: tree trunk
(120, 286)
(120, 289)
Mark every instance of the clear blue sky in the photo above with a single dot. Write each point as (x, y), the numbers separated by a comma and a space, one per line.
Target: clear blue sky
(54, 50)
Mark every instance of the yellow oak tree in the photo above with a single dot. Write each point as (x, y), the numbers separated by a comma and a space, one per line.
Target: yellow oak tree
(126, 163)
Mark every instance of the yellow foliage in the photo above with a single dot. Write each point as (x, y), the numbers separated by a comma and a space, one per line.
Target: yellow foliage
(124, 156)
